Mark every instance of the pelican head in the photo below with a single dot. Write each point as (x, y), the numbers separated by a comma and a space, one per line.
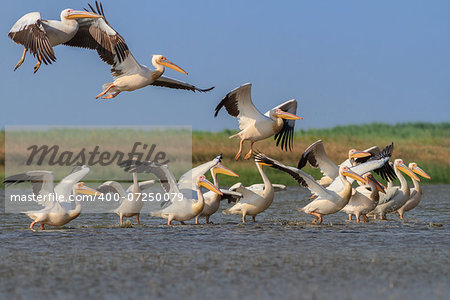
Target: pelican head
(415, 168)
(380, 187)
(353, 153)
(70, 14)
(162, 60)
(219, 168)
(347, 172)
(81, 188)
(400, 165)
(202, 181)
(278, 113)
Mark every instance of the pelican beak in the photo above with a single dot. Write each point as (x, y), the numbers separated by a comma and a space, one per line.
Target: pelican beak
(207, 184)
(173, 66)
(87, 191)
(380, 187)
(359, 154)
(421, 172)
(78, 14)
(287, 116)
(224, 170)
(351, 174)
(402, 167)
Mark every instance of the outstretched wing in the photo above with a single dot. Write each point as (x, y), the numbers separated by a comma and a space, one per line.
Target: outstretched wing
(238, 104)
(286, 135)
(97, 34)
(318, 158)
(41, 184)
(187, 180)
(300, 176)
(29, 32)
(176, 84)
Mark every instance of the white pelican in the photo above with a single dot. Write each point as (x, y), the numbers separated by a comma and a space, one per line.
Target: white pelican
(130, 205)
(56, 200)
(253, 202)
(364, 199)
(212, 199)
(317, 157)
(255, 126)
(186, 198)
(128, 74)
(415, 193)
(39, 36)
(395, 196)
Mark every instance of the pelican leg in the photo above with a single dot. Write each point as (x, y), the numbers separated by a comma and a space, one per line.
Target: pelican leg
(32, 224)
(105, 91)
(243, 218)
(357, 219)
(374, 217)
(38, 65)
(365, 218)
(182, 223)
(254, 218)
(207, 220)
(349, 217)
(121, 219)
(249, 154)
(42, 226)
(169, 222)
(196, 220)
(318, 217)
(400, 215)
(110, 96)
(22, 59)
(137, 219)
(241, 143)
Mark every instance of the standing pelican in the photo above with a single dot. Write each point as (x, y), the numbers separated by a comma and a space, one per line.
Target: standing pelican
(255, 126)
(253, 202)
(212, 199)
(415, 193)
(56, 200)
(39, 36)
(131, 199)
(364, 199)
(395, 196)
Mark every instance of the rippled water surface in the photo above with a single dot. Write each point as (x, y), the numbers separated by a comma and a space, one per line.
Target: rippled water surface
(281, 255)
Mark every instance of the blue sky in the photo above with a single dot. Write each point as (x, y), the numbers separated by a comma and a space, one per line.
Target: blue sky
(346, 62)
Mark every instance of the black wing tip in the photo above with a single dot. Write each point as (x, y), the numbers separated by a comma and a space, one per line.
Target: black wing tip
(204, 90)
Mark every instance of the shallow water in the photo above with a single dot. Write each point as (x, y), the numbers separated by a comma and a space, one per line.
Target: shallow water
(281, 255)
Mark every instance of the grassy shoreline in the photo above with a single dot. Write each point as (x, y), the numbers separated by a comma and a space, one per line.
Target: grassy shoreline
(428, 144)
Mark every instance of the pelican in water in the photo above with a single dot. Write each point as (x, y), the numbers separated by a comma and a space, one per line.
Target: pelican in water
(364, 198)
(212, 199)
(336, 196)
(395, 196)
(39, 36)
(186, 198)
(56, 200)
(317, 157)
(253, 201)
(415, 192)
(255, 126)
(131, 200)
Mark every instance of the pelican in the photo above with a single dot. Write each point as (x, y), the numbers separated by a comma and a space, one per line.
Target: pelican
(39, 36)
(131, 204)
(395, 196)
(364, 199)
(182, 205)
(317, 157)
(253, 202)
(332, 199)
(56, 200)
(212, 199)
(255, 126)
(415, 193)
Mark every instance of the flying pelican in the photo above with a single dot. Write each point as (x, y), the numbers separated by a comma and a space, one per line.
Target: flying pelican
(395, 196)
(182, 205)
(253, 202)
(212, 199)
(364, 199)
(39, 36)
(56, 200)
(317, 157)
(131, 200)
(255, 126)
(128, 74)
(332, 199)
(415, 193)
